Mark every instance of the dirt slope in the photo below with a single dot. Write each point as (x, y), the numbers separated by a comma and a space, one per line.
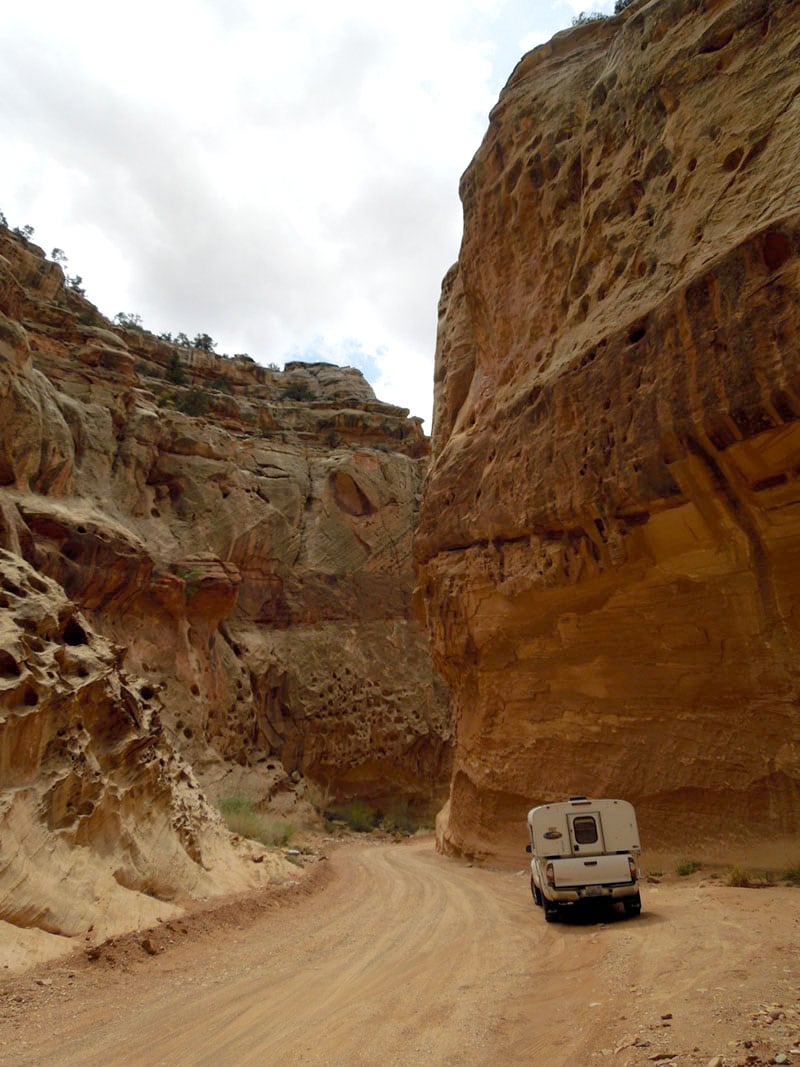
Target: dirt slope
(401, 956)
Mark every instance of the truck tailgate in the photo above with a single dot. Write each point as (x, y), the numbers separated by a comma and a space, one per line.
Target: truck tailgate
(593, 870)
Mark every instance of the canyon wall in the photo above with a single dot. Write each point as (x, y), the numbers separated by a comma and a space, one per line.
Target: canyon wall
(609, 542)
(235, 543)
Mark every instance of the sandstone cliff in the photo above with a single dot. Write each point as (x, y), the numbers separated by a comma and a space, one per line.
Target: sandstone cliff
(237, 543)
(610, 535)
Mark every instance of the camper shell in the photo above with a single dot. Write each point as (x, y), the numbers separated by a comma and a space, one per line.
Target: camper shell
(584, 850)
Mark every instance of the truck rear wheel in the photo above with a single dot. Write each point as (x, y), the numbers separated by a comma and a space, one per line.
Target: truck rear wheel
(633, 905)
(550, 912)
(537, 896)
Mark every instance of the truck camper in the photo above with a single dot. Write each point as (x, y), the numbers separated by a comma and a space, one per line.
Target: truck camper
(584, 850)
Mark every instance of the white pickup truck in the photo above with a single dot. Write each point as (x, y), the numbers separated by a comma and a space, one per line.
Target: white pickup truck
(583, 850)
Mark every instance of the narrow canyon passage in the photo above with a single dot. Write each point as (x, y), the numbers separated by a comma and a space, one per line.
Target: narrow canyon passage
(406, 957)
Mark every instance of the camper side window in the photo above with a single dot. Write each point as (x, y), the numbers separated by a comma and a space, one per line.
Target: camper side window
(585, 830)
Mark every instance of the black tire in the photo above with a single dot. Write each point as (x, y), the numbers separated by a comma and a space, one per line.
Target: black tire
(550, 912)
(633, 905)
(537, 896)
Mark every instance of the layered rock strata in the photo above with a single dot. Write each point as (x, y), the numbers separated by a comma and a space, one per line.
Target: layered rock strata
(609, 541)
(241, 535)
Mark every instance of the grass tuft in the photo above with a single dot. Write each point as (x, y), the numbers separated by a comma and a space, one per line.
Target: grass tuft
(359, 816)
(792, 876)
(241, 817)
(737, 877)
(687, 867)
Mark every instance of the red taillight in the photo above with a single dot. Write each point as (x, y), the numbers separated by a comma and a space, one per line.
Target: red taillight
(550, 875)
(632, 865)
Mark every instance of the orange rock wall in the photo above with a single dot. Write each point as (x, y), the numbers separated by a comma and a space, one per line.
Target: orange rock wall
(609, 542)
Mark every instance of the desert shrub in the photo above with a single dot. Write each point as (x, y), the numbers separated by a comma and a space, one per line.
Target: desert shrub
(175, 372)
(588, 16)
(222, 385)
(398, 819)
(194, 401)
(359, 816)
(241, 817)
(687, 867)
(737, 877)
(792, 876)
(297, 391)
(128, 320)
(204, 342)
(621, 5)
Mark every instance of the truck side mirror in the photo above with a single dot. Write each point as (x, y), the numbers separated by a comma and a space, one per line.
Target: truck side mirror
(528, 848)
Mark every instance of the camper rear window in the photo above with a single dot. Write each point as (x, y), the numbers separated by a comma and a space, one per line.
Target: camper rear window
(585, 830)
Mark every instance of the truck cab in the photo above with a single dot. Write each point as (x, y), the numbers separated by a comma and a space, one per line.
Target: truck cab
(584, 850)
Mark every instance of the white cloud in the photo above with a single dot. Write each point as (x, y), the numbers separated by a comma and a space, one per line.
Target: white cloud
(283, 177)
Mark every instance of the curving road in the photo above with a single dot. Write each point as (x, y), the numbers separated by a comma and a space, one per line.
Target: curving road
(406, 957)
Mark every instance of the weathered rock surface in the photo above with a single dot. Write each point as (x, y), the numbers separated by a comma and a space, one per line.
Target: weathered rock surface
(242, 534)
(103, 826)
(610, 536)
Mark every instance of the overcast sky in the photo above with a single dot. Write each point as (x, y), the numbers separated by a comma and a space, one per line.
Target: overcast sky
(282, 177)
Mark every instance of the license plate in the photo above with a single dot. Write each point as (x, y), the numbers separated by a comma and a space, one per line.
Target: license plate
(593, 891)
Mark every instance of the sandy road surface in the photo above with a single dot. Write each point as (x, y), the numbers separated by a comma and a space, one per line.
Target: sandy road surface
(405, 957)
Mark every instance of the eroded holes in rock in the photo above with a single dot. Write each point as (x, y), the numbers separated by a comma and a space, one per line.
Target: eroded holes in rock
(195, 691)
(637, 332)
(147, 692)
(777, 249)
(74, 634)
(9, 668)
(71, 551)
(37, 584)
(4, 602)
(155, 513)
(691, 165)
(641, 270)
(733, 159)
(717, 42)
(81, 529)
(82, 672)
(11, 587)
(672, 185)
(30, 698)
(188, 732)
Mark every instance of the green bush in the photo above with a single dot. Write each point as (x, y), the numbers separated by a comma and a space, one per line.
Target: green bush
(241, 817)
(397, 819)
(297, 391)
(359, 816)
(687, 867)
(175, 372)
(792, 876)
(194, 401)
(591, 16)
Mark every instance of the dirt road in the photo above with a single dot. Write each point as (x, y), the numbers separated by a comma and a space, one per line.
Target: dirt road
(404, 957)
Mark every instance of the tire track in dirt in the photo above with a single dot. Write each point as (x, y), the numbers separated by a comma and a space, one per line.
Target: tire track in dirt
(406, 957)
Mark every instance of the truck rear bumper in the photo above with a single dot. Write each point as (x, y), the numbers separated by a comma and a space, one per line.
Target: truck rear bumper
(591, 892)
